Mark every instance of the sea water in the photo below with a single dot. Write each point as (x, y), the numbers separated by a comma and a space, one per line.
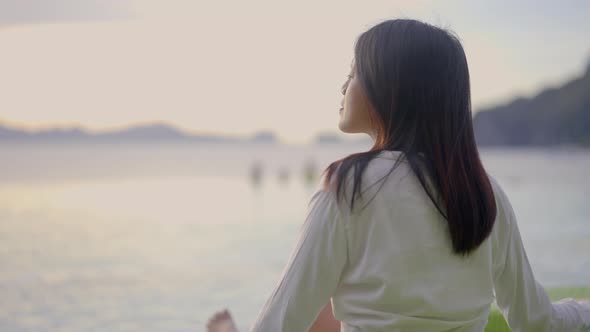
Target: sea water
(158, 237)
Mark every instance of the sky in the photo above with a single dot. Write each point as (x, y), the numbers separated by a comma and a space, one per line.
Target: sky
(240, 67)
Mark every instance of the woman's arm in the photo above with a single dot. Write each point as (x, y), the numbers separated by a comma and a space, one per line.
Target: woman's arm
(313, 270)
(325, 322)
(521, 299)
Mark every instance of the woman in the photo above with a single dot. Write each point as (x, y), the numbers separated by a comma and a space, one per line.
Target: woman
(412, 235)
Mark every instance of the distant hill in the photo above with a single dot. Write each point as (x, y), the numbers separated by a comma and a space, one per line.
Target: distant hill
(333, 138)
(143, 133)
(327, 138)
(556, 116)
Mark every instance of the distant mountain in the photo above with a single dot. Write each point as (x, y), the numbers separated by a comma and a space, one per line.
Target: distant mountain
(328, 138)
(334, 138)
(264, 137)
(156, 131)
(143, 133)
(556, 116)
(7, 133)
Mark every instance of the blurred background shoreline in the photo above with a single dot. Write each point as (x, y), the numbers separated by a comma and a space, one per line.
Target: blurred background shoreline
(556, 116)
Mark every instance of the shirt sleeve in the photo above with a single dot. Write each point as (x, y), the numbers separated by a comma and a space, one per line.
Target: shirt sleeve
(521, 299)
(312, 272)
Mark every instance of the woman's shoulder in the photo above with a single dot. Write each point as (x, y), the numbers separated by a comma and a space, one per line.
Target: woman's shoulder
(379, 165)
(384, 166)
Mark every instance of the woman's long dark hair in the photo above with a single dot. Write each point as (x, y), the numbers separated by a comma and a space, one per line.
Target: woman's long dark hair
(415, 77)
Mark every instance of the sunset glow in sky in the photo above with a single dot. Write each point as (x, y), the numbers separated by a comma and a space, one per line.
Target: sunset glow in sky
(243, 66)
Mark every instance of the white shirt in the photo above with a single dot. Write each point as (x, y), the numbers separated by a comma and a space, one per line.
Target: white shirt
(390, 267)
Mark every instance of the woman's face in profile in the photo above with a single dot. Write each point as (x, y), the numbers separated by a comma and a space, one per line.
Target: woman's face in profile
(354, 114)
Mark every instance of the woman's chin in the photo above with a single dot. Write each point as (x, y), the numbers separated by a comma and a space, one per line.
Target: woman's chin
(343, 127)
(347, 130)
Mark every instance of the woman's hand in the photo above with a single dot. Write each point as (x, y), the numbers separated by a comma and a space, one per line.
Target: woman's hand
(221, 322)
(325, 322)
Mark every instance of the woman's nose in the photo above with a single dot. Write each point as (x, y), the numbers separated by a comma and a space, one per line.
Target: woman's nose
(344, 87)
